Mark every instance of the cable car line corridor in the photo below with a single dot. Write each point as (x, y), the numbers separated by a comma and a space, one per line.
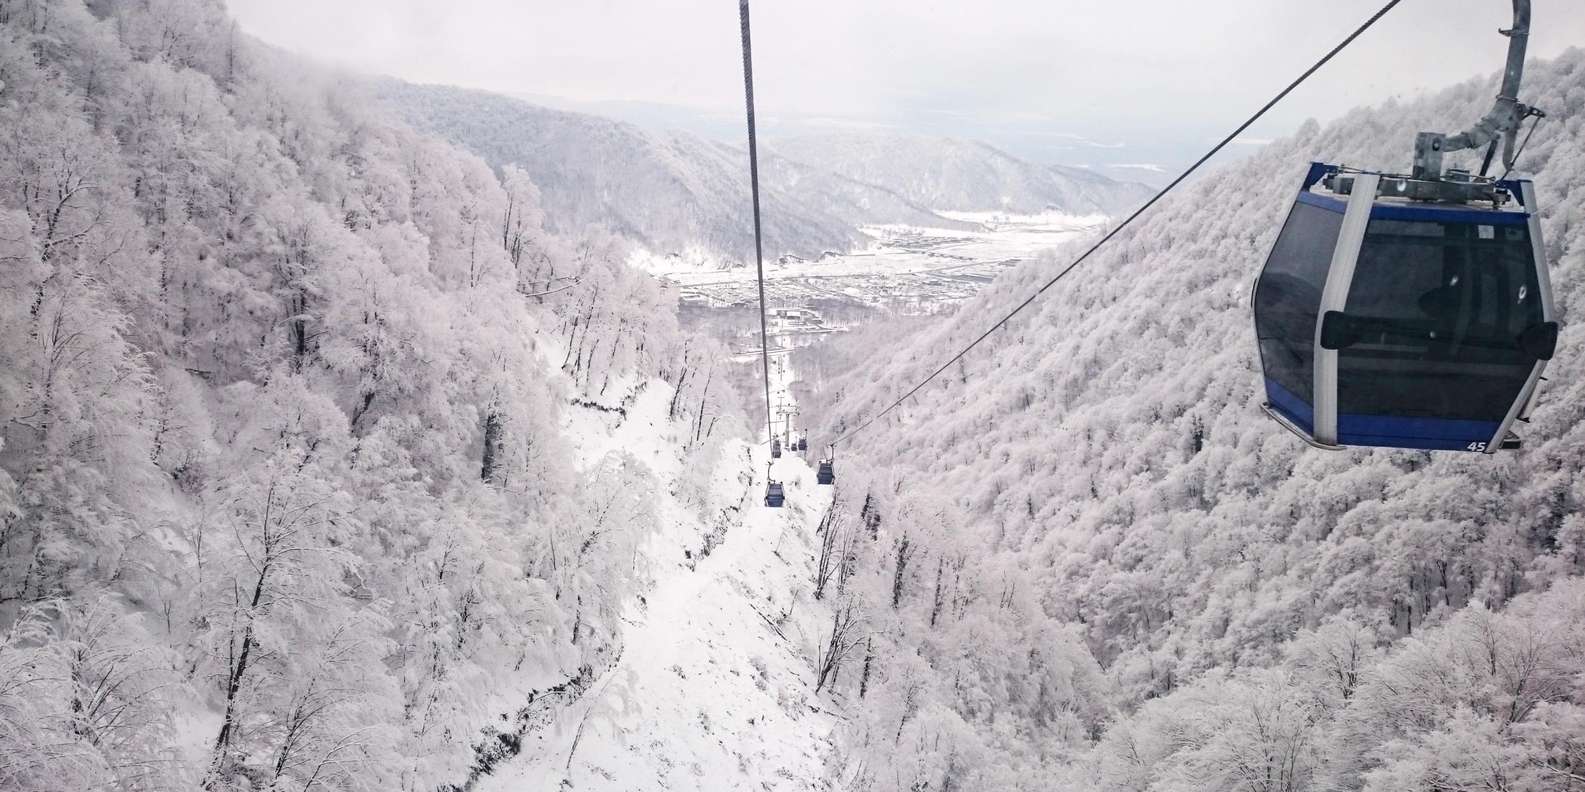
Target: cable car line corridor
(759, 244)
(713, 687)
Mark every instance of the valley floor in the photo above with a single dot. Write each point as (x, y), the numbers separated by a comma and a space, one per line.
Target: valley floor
(909, 268)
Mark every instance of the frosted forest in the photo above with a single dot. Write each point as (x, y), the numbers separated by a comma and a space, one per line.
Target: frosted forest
(1086, 565)
(360, 435)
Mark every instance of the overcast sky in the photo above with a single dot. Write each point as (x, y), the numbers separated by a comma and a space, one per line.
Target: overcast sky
(1074, 81)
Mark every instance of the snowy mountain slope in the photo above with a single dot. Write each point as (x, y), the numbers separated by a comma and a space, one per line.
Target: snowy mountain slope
(289, 409)
(713, 689)
(961, 175)
(1107, 451)
(668, 191)
(1112, 196)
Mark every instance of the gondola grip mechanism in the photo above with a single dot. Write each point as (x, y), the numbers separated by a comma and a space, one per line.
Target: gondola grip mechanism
(1501, 122)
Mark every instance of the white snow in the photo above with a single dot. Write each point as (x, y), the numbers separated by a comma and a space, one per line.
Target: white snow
(714, 687)
(1006, 227)
(903, 263)
(690, 259)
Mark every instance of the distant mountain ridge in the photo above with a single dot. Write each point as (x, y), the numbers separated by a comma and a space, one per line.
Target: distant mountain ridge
(665, 190)
(964, 175)
(673, 190)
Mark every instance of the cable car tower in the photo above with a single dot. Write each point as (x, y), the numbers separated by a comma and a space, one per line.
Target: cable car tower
(787, 413)
(1412, 311)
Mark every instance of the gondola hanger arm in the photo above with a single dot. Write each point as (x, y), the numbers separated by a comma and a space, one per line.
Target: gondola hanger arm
(1500, 123)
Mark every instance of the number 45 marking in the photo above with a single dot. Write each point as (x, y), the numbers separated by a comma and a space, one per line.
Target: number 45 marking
(1481, 447)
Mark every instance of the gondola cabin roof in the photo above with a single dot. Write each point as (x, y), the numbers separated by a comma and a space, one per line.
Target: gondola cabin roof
(1388, 208)
(1457, 190)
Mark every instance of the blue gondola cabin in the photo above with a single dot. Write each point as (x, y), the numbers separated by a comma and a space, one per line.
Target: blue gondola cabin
(1390, 321)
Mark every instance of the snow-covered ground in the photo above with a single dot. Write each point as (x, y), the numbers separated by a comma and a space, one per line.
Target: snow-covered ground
(714, 686)
(904, 265)
(1044, 222)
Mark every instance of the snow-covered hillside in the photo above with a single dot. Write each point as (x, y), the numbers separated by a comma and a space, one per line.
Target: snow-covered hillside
(1268, 616)
(335, 457)
(666, 190)
(671, 191)
(316, 456)
(715, 685)
(962, 175)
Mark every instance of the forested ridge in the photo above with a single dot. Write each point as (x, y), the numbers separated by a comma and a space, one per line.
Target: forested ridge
(669, 191)
(1084, 559)
(965, 175)
(287, 497)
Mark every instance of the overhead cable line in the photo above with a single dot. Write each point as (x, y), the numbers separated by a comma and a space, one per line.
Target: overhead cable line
(1374, 18)
(753, 177)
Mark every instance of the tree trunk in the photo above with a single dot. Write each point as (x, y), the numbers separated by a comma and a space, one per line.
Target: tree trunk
(676, 394)
(828, 541)
(935, 606)
(703, 396)
(898, 571)
(299, 329)
(864, 677)
(234, 680)
(493, 443)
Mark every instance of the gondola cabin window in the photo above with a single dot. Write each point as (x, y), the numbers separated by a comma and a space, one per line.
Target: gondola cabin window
(1435, 312)
(1286, 301)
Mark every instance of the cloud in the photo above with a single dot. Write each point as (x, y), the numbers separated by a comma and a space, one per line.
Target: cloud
(838, 123)
(1156, 73)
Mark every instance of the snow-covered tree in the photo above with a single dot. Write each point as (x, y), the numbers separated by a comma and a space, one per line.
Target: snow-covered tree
(1108, 457)
(286, 499)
